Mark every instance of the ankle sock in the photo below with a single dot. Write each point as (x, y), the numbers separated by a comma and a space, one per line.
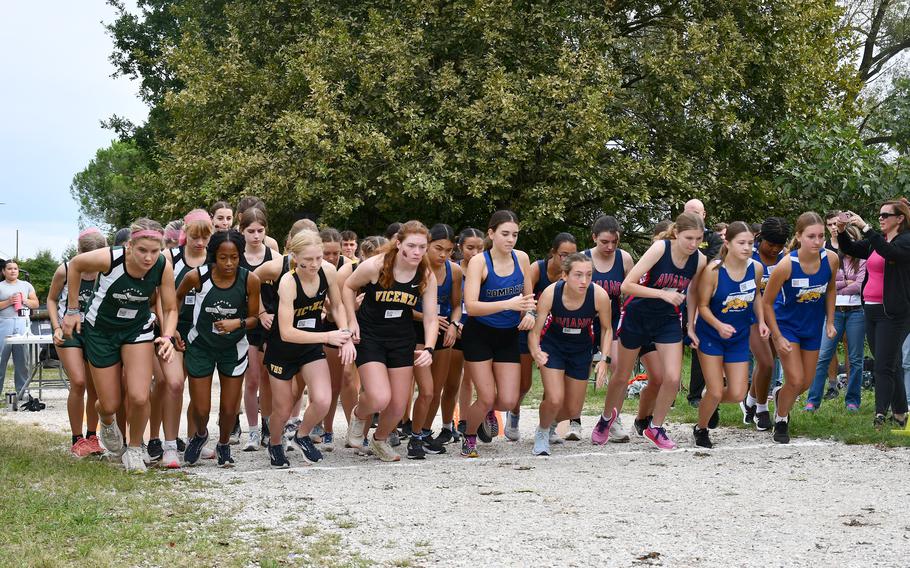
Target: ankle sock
(170, 445)
(761, 407)
(76, 438)
(751, 400)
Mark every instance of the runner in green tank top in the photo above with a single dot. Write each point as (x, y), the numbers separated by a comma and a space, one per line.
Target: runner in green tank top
(71, 351)
(118, 329)
(227, 299)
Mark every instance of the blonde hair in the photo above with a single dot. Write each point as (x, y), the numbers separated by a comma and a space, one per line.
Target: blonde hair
(300, 241)
(684, 222)
(372, 245)
(803, 222)
(144, 224)
(299, 225)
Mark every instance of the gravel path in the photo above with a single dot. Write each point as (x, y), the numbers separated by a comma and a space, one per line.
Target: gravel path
(748, 502)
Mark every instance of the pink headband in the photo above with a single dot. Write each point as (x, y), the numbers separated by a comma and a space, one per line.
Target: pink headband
(146, 233)
(89, 231)
(197, 216)
(172, 234)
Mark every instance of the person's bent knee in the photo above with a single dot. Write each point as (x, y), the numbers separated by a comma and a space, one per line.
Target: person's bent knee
(714, 391)
(737, 392)
(670, 382)
(554, 400)
(138, 399)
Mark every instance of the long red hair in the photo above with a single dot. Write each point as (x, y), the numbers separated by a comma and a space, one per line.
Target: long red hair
(386, 274)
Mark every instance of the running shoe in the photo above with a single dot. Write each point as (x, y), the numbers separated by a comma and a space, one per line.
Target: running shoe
(266, 437)
(748, 412)
(658, 437)
(763, 421)
(898, 422)
(715, 419)
(132, 460)
(383, 450)
(224, 455)
(511, 429)
(154, 449)
(469, 446)
(430, 445)
(574, 433)
(457, 435)
(702, 438)
(253, 441)
(445, 437)
(852, 407)
(374, 421)
(415, 449)
(641, 424)
(541, 442)
(170, 459)
(774, 395)
(111, 437)
(94, 445)
(311, 453)
(810, 407)
(553, 435)
(782, 432)
(317, 433)
(328, 442)
(181, 445)
(879, 422)
(364, 450)
(277, 458)
(462, 427)
(354, 438)
(145, 454)
(394, 438)
(492, 424)
(618, 434)
(405, 429)
(483, 434)
(290, 428)
(236, 432)
(601, 432)
(194, 448)
(831, 393)
(81, 448)
(207, 453)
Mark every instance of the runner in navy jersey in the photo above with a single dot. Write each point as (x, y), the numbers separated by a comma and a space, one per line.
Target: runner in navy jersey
(729, 301)
(499, 298)
(562, 342)
(543, 273)
(799, 304)
(769, 250)
(657, 287)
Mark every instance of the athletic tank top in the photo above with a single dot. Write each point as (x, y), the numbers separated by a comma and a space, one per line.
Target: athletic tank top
(120, 300)
(665, 275)
(388, 312)
(574, 328)
(246, 264)
(611, 282)
(307, 316)
(732, 301)
(443, 295)
(86, 287)
(214, 304)
(181, 269)
(329, 323)
(497, 288)
(543, 279)
(800, 306)
(464, 307)
(766, 268)
(268, 289)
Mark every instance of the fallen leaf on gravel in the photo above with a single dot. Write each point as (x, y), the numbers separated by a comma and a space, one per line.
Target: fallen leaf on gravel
(524, 467)
(653, 555)
(701, 454)
(491, 492)
(525, 491)
(858, 523)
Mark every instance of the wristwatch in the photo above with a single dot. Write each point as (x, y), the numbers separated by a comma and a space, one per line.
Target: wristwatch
(430, 349)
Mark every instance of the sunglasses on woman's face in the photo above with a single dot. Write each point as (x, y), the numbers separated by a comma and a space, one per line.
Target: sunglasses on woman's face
(885, 215)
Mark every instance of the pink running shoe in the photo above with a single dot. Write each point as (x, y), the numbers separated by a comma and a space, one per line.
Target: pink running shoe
(81, 448)
(95, 445)
(659, 438)
(601, 431)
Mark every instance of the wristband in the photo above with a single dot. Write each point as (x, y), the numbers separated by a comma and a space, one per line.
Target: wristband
(171, 339)
(345, 330)
(429, 349)
(72, 312)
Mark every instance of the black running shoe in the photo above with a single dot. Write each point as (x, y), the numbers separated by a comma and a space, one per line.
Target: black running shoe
(181, 445)
(763, 421)
(266, 435)
(236, 432)
(405, 429)
(715, 419)
(462, 427)
(223, 451)
(277, 457)
(415, 449)
(375, 422)
(311, 453)
(702, 438)
(155, 450)
(194, 448)
(394, 439)
(430, 445)
(879, 422)
(445, 437)
(898, 422)
(483, 435)
(748, 412)
(782, 432)
(641, 424)
(831, 393)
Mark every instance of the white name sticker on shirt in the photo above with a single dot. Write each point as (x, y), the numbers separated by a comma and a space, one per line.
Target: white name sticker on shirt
(392, 314)
(309, 323)
(572, 330)
(190, 300)
(125, 313)
(799, 282)
(747, 285)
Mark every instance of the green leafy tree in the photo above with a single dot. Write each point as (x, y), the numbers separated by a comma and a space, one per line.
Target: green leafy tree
(40, 270)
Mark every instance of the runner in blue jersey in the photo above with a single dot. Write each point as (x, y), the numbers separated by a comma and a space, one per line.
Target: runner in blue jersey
(543, 273)
(562, 342)
(729, 301)
(431, 380)
(611, 265)
(769, 250)
(799, 300)
(499, 298)
(657, 288)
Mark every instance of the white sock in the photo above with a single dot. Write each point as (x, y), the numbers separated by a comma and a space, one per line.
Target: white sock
(778, 418)
(761, 407)
(604, 418)
(170, 445)
(751, 401)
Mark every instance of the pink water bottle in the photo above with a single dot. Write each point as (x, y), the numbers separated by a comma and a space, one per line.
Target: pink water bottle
(17, 301)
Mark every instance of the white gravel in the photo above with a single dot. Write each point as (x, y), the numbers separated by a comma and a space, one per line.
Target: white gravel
(748, 502)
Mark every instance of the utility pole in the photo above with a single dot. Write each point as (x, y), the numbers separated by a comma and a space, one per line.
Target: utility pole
(17, 245)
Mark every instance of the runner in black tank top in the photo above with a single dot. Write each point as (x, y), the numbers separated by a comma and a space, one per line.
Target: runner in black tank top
(331, 244)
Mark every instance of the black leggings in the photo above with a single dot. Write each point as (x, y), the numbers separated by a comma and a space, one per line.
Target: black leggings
(886, 337)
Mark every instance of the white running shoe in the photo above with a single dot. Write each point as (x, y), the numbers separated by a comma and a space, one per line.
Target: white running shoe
(355, 433)
(384, 451)
(111, 437)
(541, 443)
(253, 441)
(574, 433)
(207, 453)
(511, 428)
(132, 460)
(170, 460)
(618, 434)
(145, 454)
(554, 437)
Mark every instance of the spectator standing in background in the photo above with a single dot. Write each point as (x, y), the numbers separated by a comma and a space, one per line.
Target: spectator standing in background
(16, 296)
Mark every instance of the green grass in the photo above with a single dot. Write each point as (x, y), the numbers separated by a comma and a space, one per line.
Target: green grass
(831, 421)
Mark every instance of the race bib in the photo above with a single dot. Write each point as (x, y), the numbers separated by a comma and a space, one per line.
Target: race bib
(572, 330)
(392, 314)
(190, 300)
(126, 313)
(309, 323)
(799, 282)
(747, 285)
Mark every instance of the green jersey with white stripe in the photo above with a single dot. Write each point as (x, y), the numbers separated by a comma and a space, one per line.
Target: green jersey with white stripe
(86, 288)
(214, 304)
(122, 301)
(181, 269)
